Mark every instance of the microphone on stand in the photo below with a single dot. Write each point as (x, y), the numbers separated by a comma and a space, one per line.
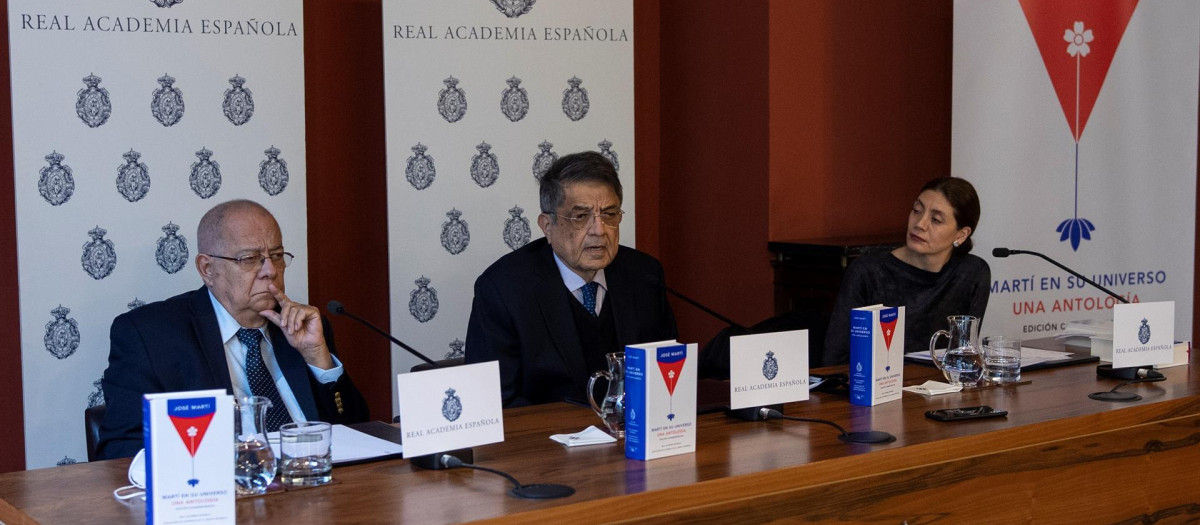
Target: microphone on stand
(430, 461)
(1005, 252)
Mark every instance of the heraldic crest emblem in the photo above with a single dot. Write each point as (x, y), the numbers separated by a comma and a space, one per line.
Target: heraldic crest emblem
(239, 102)
(99, 257)
(66, 460)
(455, 235)
(420, 171)
(770, 366)
(607, 152)
(273, 172)
(485, 167)
(1144, 332)
(135, 303)
(543, 159)
(575, 100)
(456, 349)
(206, 175)
(451, 406)
(133, 177)
(166, 3)
(452, 101)
(516, 228)
(96, 398)
(62, 334)
(56, 183)
(513, 8)
(514, 101)
(172, 252)
(167, 104)
(92, 103)
(423, 302)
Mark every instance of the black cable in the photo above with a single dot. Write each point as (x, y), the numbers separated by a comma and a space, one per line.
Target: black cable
(771, 413)
(1140, 380)
(453, 462)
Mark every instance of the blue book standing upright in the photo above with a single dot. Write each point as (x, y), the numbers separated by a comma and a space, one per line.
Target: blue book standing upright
(660, 399)
(876, 364)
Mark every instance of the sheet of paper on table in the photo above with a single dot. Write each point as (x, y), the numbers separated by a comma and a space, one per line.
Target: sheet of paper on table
(350, 445)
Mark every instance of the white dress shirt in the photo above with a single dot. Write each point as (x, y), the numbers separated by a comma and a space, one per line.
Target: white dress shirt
(575, 283)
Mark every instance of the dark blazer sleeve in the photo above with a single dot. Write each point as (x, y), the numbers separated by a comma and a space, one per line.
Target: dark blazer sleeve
(852, 294)
(492, 336)
(338, 402)
(128, 376)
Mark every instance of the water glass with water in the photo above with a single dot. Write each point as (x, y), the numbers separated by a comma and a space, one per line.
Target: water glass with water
(1002, 359)
(254, 462)
(306, 449)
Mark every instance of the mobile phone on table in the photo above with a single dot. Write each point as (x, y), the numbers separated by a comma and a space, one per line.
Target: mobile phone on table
(964, 413)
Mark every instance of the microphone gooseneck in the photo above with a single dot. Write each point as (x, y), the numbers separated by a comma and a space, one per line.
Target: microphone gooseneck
(336, 307)
(1005, 252)
(656, 282)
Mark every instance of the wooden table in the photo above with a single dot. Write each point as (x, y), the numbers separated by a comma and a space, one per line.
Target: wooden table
(1058, 457)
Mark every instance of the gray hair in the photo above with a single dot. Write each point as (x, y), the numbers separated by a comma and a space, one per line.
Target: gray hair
(586, 166)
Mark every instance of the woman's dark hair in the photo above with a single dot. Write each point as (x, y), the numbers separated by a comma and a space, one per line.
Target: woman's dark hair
(962, 197)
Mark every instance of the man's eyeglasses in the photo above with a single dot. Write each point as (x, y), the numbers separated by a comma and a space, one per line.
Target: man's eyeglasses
(254, 261)
(582, 220)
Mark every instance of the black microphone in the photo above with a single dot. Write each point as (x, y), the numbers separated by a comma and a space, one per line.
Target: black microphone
(1005, 252)
(335, 307)
(656, 282)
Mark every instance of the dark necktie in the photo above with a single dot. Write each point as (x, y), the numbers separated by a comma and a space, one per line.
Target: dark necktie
(589, 297)
(261, 383)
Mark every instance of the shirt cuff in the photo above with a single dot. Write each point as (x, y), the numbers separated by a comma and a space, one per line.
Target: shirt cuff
(328, 376)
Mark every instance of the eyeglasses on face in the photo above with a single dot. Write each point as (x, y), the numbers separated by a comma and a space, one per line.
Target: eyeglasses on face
(583, 219)
(254, 261)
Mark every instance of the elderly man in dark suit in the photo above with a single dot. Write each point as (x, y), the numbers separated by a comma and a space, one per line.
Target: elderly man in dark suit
(239, 332)
(551, 310)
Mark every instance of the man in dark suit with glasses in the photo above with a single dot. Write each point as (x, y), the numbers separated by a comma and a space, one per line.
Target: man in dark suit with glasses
(239, 331)
(552, 309)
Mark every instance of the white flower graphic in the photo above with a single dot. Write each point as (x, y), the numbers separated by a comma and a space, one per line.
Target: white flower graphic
(1077, 40)
(192, 431)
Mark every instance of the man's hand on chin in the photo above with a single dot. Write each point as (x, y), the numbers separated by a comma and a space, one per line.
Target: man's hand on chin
(301, 325)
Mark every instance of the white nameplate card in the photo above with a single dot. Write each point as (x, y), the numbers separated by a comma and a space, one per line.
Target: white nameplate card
(450, 408)
(876, 354)
(189, 457)
(768, 369)
(660, 399)
(1143, 334)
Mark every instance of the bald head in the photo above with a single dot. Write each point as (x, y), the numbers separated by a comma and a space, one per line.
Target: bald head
(210, 234)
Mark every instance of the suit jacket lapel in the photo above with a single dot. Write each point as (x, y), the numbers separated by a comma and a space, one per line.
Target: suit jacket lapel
(556, 312)
(204, 324)
(295, 371)
(621, 300)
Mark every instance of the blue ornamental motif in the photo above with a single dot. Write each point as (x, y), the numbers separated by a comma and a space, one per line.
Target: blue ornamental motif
(133, 177)
(485, 167)
(239, 102)
(455, 234)
(166, 3)
(516, 228)
(92, 103)
(206, 175)
(172, 252)
(452, 101)
(423, 301)
(543, 159)
(66, 460)
(456, 349)
(770, 366)
(451, 406)
(514, 101)
(513, 8)
(99, 257)
(420, 170)
(167, 104)
(136, 303)
(62, 334)
(1144, 333)
(273, 173)
(56, 183)
(575, 100)
(96, 398)
(607, 152)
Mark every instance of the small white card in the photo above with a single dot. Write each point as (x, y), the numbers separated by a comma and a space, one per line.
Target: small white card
(450, 408)
(1143, 334)
(767, 369)
(189, 457)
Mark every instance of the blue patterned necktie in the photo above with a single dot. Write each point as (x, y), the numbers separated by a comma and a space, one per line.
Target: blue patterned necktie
(261, 383)
(589, 297)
